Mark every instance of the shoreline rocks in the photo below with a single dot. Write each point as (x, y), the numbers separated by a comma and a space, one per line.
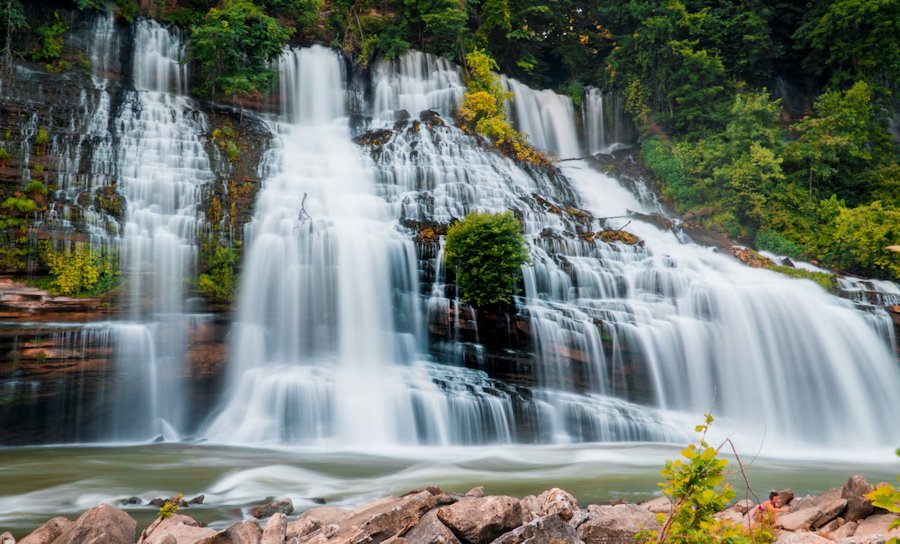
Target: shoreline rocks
(432, 516)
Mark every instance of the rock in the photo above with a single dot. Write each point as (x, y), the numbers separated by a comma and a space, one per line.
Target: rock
(430, 530)
(244, 532)
(176, 528)
(275, 530)
(314, 519)
(828, 512)
(615, 524)
(131, 500)
(659, 505)
(531, 508)
(101, 525)
(877, 525)
(874, 539)
(801, 538)
(551, 529)
(858, 506)
(803, 503)
(284, 506)
(801, 520)
(832, 526)
(374, 522)
(845, 530)
(742, 506)
(785, 497)
(7, 538)
(476, 492)
(479, 521)
(828, 496)
(197, 500)
(48, 532)
(557, 502)
(733, 516)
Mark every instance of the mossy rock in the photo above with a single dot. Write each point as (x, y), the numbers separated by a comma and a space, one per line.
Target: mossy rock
(625, 237)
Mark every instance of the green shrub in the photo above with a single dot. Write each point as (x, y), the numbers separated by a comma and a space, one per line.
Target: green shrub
(35, 186)
(5, 156)
(861, 238)
(769, 240)
(21, 204)
(170, 507)
(219, 281)
(50, 47)
(486, 252)
(42, 137)
(79, 271)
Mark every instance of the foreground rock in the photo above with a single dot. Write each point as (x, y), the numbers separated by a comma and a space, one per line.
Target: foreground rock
(432, 516)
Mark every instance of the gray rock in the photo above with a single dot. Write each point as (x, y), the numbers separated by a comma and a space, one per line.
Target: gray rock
(48, 532)
(557, 502)
(615, 524)
(801, 520)
(275, 530)
(479, 521)
(374, 522)
(284, 506)
(430, 530)
(858, 507)
(314, 519)
(551, 529)
(101, 525)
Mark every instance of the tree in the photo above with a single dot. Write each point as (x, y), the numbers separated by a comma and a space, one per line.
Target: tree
(11, 19)
(233, 46)
(486, 252)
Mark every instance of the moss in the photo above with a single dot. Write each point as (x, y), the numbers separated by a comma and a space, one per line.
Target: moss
(823, 279)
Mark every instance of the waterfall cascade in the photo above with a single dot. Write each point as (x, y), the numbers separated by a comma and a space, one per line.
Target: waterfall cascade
(327, 346)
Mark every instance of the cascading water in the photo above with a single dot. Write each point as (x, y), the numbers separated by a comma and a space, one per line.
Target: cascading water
(546, 117)
(161, 166)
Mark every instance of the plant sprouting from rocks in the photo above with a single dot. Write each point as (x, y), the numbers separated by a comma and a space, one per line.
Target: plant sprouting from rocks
(171, 506)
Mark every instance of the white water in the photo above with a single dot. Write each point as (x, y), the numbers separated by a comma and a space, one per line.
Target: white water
(162, 166)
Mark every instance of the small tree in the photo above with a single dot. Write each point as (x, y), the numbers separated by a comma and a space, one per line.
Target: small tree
(486, 251)
(11, 19)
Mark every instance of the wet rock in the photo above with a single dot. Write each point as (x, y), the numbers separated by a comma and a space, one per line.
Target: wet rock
(283, 506)
(131, 500)
(625, 237)
(660, 505)
(858, 506)
(750, 257)
(48, 532)
(558, 502)
(101, 525)
(828, 512)
(615, 524)
(877, 525)
(430, 530)
(197, 500)
(276, 529)
(551, 529)
(431, 118)
(479, 521)
(245, 532)
(475, 492)
(176, 528)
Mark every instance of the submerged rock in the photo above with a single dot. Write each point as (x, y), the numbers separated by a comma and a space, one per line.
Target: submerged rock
(282, 506)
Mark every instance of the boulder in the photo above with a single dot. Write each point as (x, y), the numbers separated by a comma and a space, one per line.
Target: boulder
(475, 492)
(244, 532)
(551, 529)
(828, 496)
(785, 497)
(531, 508)
(828, 511)
(557, 502)
(479, 521)
(832, 526)
(177, 529)
(659, 505)
(844, 531)
(801, 520)
(801, 538)
(48, 532)
(7, 538)
(101, 525)
(741, 507)
(877, 525)
(874, 539)
(376, 521)
(430, 530)
(314, 519)
(803, 503)
(615, 524)
(275, 530)
(858, 506)
(284, 506)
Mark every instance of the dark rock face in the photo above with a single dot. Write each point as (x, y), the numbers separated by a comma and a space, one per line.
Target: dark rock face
(858, 506)
(615, 524)
(281, 506)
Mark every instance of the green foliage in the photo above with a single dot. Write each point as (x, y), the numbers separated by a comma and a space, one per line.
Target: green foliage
(770, 240)
(20, 204)
(888, 497)
(171, 506)
(5, 156)
(79, 270)
(35, 187)
(861, 237)
(233, 46)
(219, 281)
(42, 137)
(486, 252)
(50, 44)
(12, 19)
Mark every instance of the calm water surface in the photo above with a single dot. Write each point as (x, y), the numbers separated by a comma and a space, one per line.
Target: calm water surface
(41, 482)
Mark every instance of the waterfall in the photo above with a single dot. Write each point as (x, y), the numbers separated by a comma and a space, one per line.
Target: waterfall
(161, 165)
(546, 117)
(606, 126)
(416, 82)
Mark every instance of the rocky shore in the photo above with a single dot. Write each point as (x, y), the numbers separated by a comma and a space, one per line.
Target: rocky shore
(433, 516)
